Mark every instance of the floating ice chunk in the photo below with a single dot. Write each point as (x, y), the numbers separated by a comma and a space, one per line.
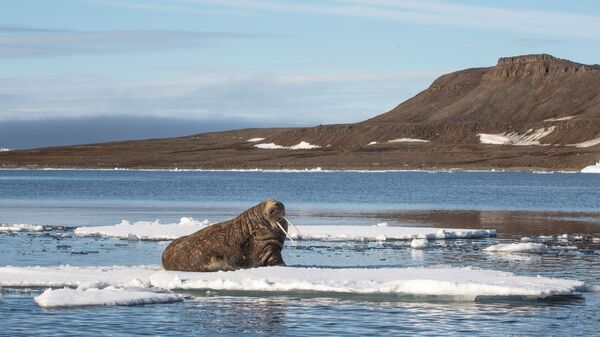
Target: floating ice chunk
(518, 248)
(68, 297)
(21, 228)
(546, 237)
(458, 283)
(380, 237)
(526, 239)
(69, 276)
(530, 137)
(419, 243)
(408, 140)
(578, 237)
(596, 240)
(254, 140)
(156, 231)
(370, 233)
(145, 230)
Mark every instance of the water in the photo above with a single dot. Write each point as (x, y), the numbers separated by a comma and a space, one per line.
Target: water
(63, 199)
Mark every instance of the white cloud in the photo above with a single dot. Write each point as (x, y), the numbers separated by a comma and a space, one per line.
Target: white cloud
(286, 98)
(24, 41)
(441, 13)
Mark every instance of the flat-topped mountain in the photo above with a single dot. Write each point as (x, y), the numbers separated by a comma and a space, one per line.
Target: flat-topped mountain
(527, 112)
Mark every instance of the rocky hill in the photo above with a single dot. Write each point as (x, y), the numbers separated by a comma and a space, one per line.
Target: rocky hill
(531, 112)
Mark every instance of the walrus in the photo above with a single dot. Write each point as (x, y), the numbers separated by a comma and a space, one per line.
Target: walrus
(252, 239)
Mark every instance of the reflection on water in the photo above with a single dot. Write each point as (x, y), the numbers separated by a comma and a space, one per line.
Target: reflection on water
(291, 316)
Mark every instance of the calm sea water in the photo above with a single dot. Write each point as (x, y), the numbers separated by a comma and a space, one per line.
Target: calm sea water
(61, 200)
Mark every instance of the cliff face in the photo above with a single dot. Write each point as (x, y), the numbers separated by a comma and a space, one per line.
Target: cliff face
(472, 118)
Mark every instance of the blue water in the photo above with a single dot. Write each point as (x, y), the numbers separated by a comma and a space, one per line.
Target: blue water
(60, 200)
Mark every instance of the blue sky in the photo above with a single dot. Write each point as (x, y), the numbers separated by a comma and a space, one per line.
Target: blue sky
(216, 64)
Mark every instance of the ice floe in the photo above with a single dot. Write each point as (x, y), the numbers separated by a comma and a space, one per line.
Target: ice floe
(530, 137)
(459, 283)
(526, 247)
(254, 140)
(373, 233)
(419, 243)
(21, 228)
(145, 230)
(300, 146)
(408, 140)
(70, 276)
(67, 297)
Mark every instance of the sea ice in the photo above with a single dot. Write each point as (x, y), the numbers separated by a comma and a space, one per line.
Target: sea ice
(110, 295)
(459, 283)
(419, 243)
(70, 276)
(371, 233)
(528, 247)
(145, 230)
(21, 228)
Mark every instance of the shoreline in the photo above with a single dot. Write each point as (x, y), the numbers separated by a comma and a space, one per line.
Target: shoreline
(305, 170)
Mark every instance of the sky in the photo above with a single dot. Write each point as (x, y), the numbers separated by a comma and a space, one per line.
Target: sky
(85, 71)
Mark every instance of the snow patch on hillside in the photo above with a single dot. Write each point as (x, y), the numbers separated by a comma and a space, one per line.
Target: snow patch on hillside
(300, 146)
(408, 140)
(589, 143)
(254, 140)
(530, 137)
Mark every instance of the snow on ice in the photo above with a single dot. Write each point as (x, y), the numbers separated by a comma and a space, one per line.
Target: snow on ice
(459, 283)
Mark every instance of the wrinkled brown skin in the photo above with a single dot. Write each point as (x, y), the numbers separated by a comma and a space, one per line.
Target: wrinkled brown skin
(248, 241)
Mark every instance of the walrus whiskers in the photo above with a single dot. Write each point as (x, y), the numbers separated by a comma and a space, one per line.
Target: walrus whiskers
(286, 234)
(291, 223)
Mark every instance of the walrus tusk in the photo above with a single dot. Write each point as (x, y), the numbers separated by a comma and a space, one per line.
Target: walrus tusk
(286, 234)
(291, 223)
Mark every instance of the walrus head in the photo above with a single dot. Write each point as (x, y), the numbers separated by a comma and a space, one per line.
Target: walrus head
(274, 212)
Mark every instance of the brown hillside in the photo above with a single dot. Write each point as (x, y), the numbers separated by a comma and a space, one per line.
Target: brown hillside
(546, 104)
